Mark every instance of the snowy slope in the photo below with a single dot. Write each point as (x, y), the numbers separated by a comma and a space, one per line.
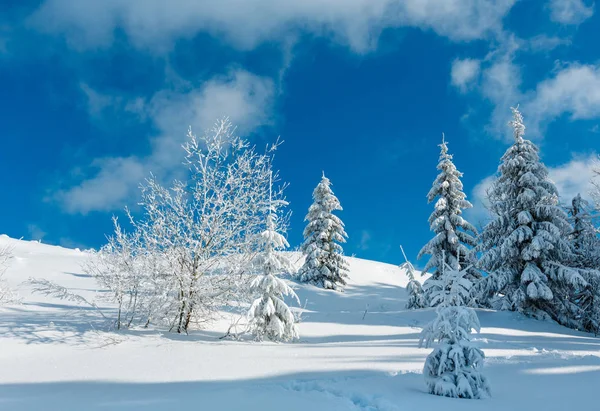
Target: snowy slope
(358, 351)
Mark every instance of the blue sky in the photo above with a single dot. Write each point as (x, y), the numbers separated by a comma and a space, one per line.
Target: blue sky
(96, 95)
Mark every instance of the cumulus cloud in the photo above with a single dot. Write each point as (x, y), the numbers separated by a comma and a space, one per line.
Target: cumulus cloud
(358, 23)
(574, 177)
(244, 97)
(501, 85)
(479, 214)
(464, 73)
(574, 90)
(543, 42)
(571, 178)
(570, 11)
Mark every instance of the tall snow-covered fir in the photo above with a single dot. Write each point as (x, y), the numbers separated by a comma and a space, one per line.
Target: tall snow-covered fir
(325, 265)
(586, 249)
(269, 316)
(525, 248)
(584, 237)
(453, 369)
(454, 236)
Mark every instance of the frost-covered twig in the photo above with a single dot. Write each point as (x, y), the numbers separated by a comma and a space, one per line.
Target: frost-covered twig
(51, 289)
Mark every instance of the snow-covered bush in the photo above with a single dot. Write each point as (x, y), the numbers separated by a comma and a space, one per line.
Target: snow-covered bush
(454, 236)
(191, 250)
(525, 248)
(325, 265)
(453, 369)
(269, 316)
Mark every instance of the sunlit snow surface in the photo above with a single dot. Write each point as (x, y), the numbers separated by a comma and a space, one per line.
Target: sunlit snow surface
(51, 358)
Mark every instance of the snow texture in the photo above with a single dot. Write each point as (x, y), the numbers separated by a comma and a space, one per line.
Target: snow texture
(56, 357)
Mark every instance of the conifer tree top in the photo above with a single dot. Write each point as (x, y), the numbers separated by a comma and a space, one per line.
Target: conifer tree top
(517, 124)
(323, 196)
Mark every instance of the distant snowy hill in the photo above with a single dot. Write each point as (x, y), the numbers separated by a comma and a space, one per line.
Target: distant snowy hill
(358, 351)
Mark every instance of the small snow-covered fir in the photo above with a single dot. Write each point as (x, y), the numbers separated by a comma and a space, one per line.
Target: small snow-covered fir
(414, 289)
(269, 316)
(324, 265)
(454, 236)
(453, 369)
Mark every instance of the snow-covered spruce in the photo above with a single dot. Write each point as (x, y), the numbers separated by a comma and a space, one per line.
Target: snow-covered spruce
(586, 249)
(453, 369)
(325, 265)
(525, 248)
(414, 288)
(584, 237)
(416, 297)
(596, 184)
(454, 236)
(269, 317)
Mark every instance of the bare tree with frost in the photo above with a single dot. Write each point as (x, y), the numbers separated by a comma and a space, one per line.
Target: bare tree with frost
(190, 252)
(269, 316)
(7, 295)
(525, 248)
(453, 369)
(454, 236)
(324, 265)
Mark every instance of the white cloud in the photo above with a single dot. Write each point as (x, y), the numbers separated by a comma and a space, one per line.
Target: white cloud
(570, 11)
(358, 23)
(35, 232)
(571, 178)
(364, 241)
(543, 42)
(96, 102)
(501, 85)
(575, 90)
(114, 182)
(247, 100)
(572, 89)
(464, 73)
(479, 214)
(574, 177)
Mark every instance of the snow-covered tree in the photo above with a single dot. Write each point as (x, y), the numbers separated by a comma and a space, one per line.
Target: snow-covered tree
(584, 236)
(453, 369)
(269, 316)
(193, 245)
(454, 236)
(596, 183)
(525, 248)
(414, 289)
(325, 265)
(586, 249)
